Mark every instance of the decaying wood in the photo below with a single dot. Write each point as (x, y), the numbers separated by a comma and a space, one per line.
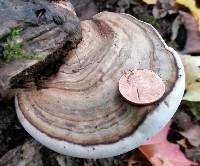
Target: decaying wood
(49, 29)
(82, 104)
(85, 9)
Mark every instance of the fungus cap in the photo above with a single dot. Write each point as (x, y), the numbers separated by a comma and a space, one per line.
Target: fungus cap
(79, 112)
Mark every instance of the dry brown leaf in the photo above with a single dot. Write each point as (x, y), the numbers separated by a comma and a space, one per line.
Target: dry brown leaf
(192, 71)
(191, 5)
(155, 158)
(175, 27)
(131, 160)
(136, 158)
(183, 143)
(193, 154)
(182, 120)
(194, 108)
(160, 152)
(193, 35)
(88, 162)
(163, 7)
(150, 2)
(193, 135)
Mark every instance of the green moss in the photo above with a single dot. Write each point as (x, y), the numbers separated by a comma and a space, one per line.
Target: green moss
(151, 20)
(13, 48)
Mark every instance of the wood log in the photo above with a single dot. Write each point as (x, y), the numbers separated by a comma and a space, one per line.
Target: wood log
(34, 37)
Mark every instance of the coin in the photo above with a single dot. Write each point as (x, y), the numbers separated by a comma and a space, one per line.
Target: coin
(141, 86)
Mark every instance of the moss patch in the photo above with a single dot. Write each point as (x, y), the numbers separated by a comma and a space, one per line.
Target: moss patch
(151, 20)
(13, 47)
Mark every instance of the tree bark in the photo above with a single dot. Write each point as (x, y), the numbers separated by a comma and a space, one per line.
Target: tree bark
(48, 30)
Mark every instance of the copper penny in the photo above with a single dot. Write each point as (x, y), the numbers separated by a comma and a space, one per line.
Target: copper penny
(141, 86)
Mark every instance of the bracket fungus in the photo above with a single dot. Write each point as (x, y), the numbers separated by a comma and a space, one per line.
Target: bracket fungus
(80, 112)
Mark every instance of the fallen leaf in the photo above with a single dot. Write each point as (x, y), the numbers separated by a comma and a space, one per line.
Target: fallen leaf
(192, 135)
(191, 5)
(158, 12)
(195, 109)
(155, 158)
(193, 154)
(150, 2)
(175, 27)
(131, 160)
(192, 71)
(192, 95)
(159, 137)
(182, 120)
(183, 143)
(88, 162)
(163, 7)
(193, 35)
(163, 153)
(136, 158)
(123, 5)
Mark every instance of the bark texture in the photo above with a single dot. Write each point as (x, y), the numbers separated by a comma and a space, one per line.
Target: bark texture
(48, 29)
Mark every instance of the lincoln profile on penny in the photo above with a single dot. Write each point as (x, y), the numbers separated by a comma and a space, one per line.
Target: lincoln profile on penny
(116, 85)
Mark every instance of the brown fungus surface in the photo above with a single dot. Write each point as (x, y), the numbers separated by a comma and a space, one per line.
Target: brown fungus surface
(82, 103)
